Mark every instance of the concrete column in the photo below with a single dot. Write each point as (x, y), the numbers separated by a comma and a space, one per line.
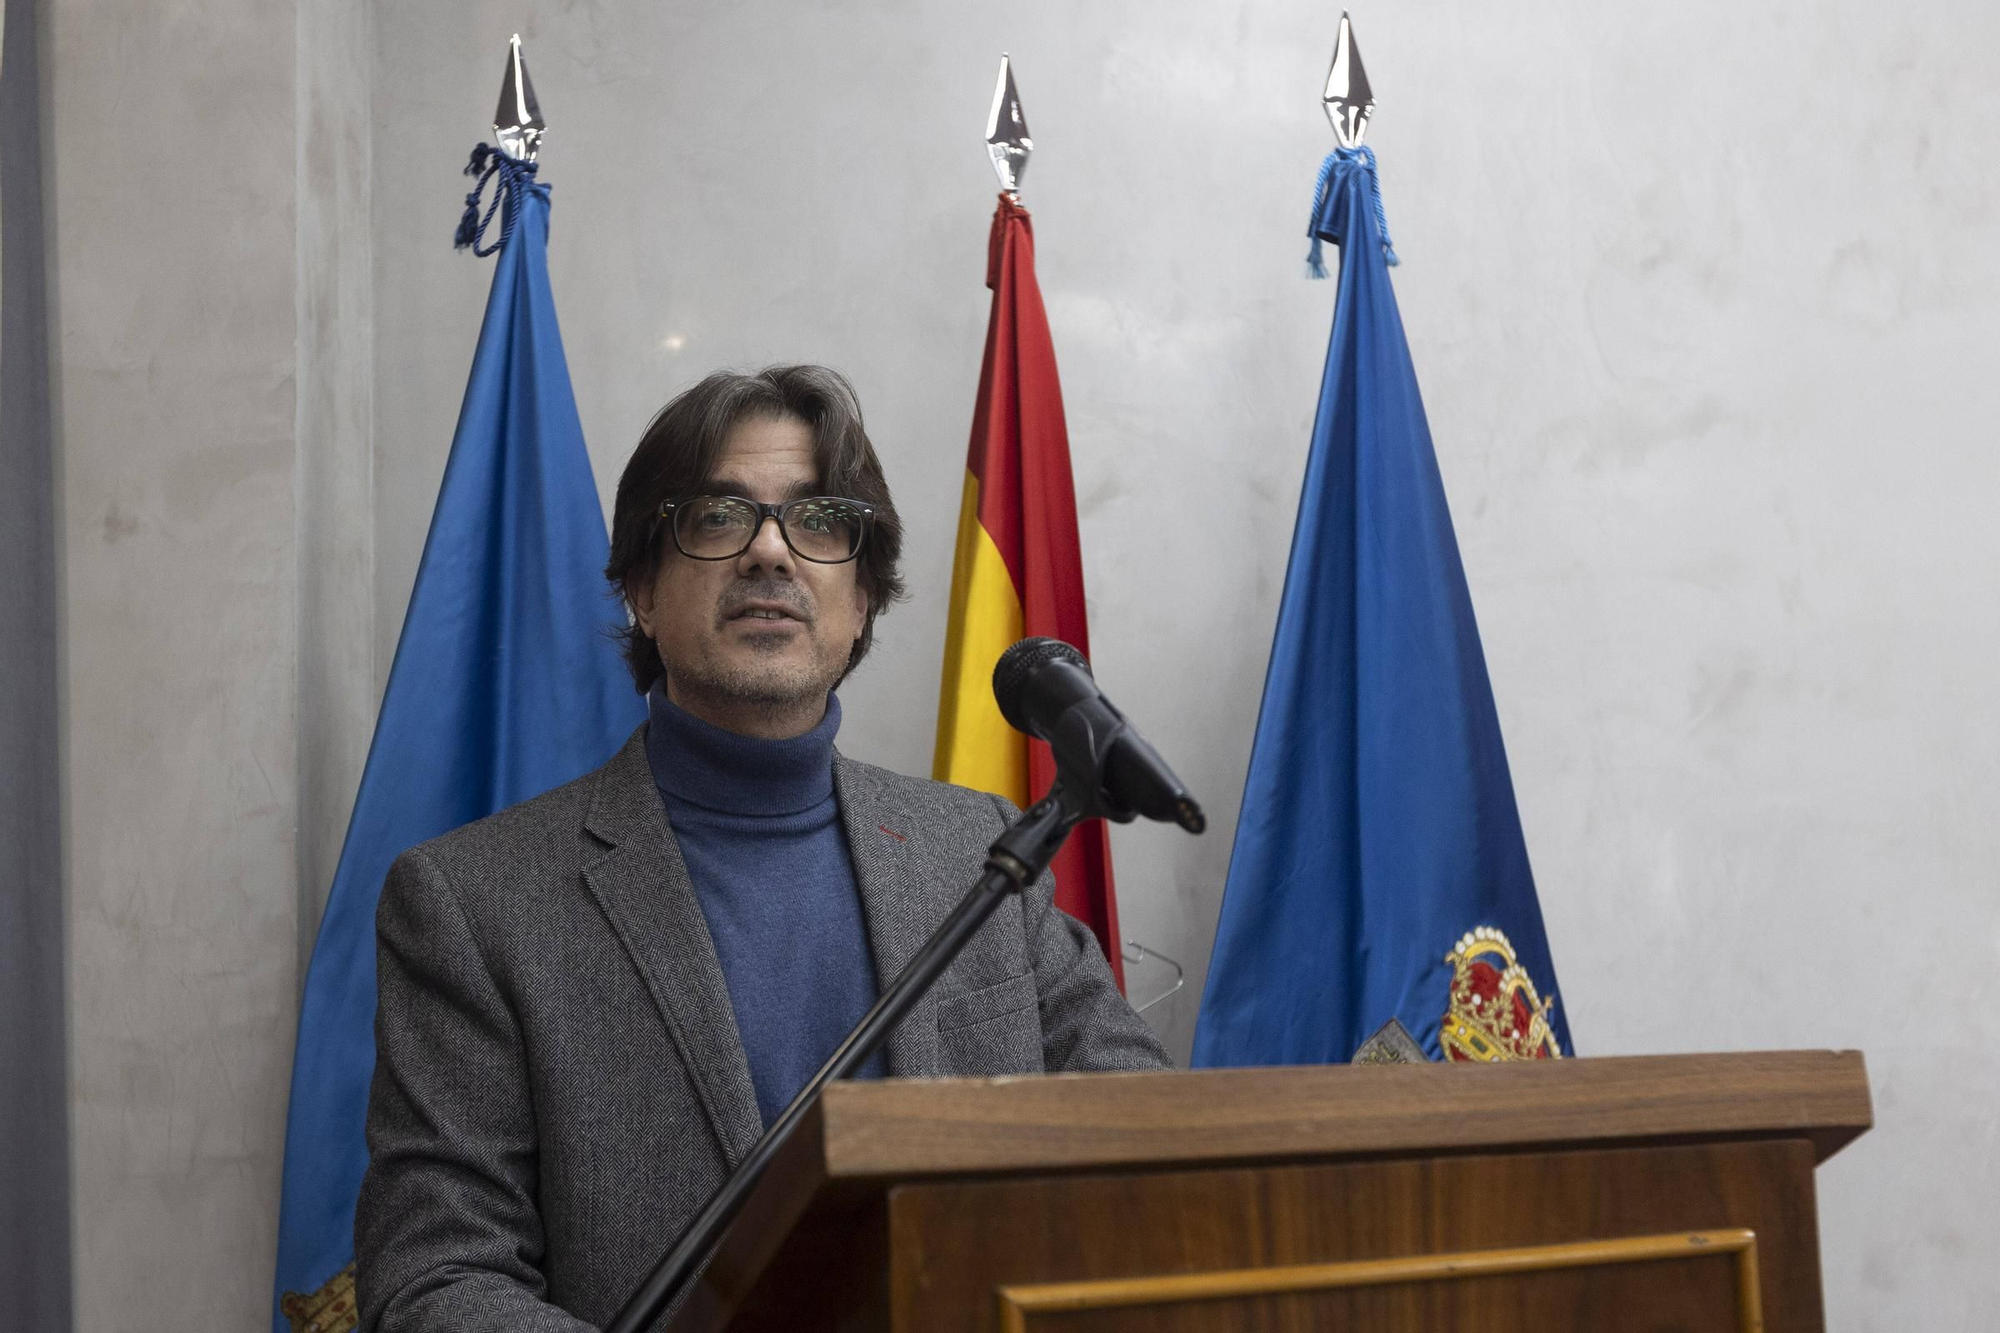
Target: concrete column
(208, 230)
(338, 690)
(34, 1120)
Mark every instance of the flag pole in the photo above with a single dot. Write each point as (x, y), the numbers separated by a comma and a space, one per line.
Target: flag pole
(1011, 575)
(1379, 900)
(452, 743)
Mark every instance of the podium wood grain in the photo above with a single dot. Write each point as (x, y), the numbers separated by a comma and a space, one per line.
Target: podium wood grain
(1083, 1121)
(960, 1244)
(913, 1206)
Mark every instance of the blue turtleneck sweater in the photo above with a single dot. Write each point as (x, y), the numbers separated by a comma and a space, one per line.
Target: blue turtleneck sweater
(760, 832)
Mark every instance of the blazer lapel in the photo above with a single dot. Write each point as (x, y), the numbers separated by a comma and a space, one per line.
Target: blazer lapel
(899, 897)
(642, 886)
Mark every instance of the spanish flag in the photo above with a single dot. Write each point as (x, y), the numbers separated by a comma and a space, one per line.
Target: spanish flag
(1018, 570)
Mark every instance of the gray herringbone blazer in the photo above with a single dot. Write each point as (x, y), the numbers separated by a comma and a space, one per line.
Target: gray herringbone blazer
(559, 1084)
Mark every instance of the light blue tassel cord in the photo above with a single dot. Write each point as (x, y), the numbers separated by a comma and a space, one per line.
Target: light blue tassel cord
(515, 177)
(1315, 265)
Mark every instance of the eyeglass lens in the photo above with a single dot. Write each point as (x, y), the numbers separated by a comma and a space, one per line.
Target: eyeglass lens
(821, 529)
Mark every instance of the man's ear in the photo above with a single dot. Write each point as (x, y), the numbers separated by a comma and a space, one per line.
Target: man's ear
(640, 598)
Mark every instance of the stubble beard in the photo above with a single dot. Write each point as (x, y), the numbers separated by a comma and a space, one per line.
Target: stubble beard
(775, 680)
(769, 683)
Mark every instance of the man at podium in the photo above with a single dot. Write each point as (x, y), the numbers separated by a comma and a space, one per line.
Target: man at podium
(591, 1004)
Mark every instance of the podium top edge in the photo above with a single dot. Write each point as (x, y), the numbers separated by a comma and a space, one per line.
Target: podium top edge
(919, 1128)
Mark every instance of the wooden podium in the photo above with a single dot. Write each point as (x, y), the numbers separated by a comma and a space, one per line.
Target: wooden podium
(1632, 1195)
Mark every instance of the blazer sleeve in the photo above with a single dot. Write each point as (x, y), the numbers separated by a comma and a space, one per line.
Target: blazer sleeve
(446, 1235)
(1086, 1025)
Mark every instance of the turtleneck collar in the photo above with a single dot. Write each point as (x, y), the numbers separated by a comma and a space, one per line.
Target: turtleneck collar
(704, 765)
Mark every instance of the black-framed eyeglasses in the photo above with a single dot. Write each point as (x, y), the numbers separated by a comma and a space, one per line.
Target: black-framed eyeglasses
(824, 529)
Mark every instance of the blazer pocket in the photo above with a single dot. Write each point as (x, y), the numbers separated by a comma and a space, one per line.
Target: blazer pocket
(997, 1030)
(977, 1006)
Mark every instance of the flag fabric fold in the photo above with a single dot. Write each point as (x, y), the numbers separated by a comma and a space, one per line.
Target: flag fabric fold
(505, 683)
(1019, 568)
(1379, 869)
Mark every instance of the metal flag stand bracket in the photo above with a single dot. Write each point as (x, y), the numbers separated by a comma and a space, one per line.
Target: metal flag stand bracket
(1136, 952)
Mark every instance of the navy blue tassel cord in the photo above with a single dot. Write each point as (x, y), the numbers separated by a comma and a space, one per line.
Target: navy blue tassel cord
(1315, 265)
(515, 178)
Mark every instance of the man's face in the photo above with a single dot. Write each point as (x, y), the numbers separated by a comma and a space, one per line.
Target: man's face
(754, 643)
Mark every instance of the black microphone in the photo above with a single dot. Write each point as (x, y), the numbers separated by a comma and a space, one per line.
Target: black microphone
(1044, 688)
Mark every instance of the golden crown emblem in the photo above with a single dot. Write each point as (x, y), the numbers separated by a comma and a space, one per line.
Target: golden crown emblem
(1495, 1012)
(329, 1310)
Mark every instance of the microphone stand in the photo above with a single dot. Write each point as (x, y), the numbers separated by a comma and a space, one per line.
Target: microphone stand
(1014, 861)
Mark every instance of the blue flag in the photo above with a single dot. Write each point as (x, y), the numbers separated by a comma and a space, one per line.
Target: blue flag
(1379, 870)
(505, 684)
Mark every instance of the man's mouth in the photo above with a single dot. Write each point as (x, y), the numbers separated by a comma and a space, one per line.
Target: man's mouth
(767, 612)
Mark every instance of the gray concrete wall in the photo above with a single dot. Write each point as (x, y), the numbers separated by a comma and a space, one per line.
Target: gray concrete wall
(1702, 300)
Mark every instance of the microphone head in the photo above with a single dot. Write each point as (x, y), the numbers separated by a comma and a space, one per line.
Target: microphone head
(1016, 665)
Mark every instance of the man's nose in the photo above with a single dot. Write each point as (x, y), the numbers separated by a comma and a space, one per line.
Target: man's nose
(767, 548)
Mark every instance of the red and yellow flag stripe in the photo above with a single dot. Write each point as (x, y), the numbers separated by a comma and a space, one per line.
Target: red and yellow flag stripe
(975, 746)
(1019, 568)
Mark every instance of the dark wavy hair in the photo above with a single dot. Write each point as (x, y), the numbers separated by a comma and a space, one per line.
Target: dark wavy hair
(678, 453)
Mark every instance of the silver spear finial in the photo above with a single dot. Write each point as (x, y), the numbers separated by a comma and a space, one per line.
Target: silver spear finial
(1349, 101)
(518, 123)
(1007, 141)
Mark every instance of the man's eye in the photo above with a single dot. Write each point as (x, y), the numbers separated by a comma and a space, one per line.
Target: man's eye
(718, 519)
(824, 518)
